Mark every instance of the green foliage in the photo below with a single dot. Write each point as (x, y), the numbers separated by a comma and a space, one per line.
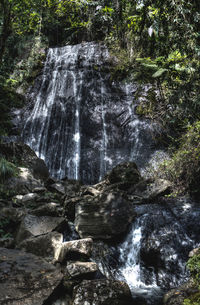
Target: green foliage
(4, 224)
(195, 300)
(30, 64)
(184, 166)
(7, 170)
(7, 227)
(193, 265)
(8, 100)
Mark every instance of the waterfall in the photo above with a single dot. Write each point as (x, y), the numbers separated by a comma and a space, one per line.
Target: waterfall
(103, 156)
(77, 136)
(79, 121)
(130, 265)
(130, 253)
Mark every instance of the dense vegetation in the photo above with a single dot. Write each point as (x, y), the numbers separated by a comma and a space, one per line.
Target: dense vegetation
(156, 43)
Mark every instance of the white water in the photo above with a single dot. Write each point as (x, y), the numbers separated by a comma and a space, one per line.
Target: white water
(131, 264)
(103, 153)
(77, 136)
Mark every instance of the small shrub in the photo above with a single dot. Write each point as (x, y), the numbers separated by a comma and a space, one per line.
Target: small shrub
(183, 169)
(193, 265)
(6, 227)
(7, 170)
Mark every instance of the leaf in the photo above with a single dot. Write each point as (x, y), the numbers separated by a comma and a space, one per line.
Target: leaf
(159, 72)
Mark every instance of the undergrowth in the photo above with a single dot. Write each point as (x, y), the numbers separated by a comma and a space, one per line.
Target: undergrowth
(7, 170)
(193, 265)
(183, 169)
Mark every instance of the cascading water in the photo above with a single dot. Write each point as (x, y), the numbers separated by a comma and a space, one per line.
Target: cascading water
(103, 156)
(80, 122)
(153, 256)
(77, 133)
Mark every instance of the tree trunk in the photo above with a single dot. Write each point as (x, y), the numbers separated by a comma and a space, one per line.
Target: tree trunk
(6, 26)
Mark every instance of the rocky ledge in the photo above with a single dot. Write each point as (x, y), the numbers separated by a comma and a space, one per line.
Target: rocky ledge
(50, 230)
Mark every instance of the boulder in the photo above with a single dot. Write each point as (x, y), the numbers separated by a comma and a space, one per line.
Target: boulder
(23, 154)
(102, 292)
(80, 269)
(81, 247)
(70, 207)
(104, 216)
(124, 172)
(157, 188)
(33, 225)
(10, 219)
(67, 187)
(26, 278)
(24, 182)
(7, 242)
(44, 245)
(40, 190)
(194, 252)
(178, 295)
(16, 215)
(26, 199)
(57, 187)
(48, 209)
(89, 190)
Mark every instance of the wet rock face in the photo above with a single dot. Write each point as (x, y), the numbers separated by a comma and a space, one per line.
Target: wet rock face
(169, 233)
(25, 278)
(80, 122)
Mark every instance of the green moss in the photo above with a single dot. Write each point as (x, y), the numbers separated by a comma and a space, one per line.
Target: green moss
(194, 299)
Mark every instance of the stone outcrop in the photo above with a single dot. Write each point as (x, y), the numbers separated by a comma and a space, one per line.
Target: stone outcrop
(80, 269)
(25, 199)
(102, 292)
(178, 295)
(33, 226)
(103, 210)
(126, 172)
(41, 213)
(45, 245)
(24, 182)
(104, 216)
(149, 190)
(25, 278)
(23, 154)
(81, 247)
(49, 209)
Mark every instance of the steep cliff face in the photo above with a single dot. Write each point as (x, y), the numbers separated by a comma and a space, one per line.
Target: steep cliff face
(80, 122)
